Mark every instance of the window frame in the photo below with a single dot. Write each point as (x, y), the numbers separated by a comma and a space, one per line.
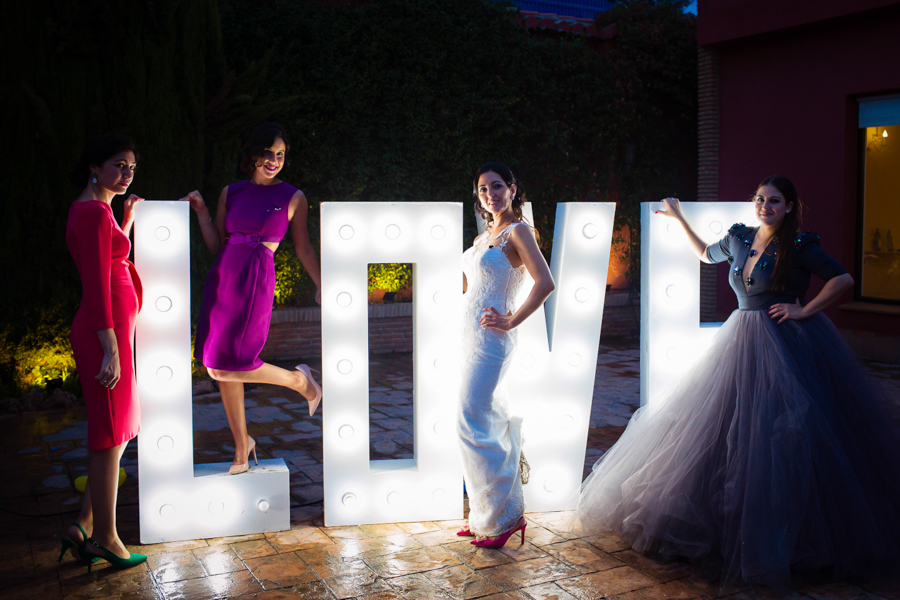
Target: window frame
(861, 142)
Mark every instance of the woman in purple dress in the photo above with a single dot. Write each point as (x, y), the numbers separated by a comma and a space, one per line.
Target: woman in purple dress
(252, 219)
(776, 453)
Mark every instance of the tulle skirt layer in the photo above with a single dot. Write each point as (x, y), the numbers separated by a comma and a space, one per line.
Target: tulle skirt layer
(776, 452)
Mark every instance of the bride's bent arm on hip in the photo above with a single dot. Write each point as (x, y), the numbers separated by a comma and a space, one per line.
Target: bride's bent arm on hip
(525, 246)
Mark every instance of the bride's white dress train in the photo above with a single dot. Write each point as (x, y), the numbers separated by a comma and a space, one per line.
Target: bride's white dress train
(490, 436)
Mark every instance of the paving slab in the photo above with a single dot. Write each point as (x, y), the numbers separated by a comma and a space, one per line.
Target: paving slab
(417, 560)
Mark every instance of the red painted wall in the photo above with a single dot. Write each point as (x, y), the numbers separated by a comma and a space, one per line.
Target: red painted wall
(788, 89)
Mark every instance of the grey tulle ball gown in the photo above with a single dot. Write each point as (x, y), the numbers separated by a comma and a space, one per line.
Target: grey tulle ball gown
(777, 453)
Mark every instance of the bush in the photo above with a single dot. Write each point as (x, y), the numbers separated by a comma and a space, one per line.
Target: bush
(41, 355)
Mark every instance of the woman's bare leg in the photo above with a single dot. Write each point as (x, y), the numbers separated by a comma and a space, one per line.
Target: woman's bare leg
(100, 502)
(85, 518)
(231, 387)
(271, 374)
(233, 400)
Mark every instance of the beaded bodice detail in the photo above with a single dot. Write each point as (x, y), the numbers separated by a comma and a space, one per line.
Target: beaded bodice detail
(491, 281)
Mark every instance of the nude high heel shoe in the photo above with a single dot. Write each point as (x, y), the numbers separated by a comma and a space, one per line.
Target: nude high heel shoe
(314, 403)
(238, 468)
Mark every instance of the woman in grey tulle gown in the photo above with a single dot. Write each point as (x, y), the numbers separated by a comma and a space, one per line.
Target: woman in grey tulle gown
(777, 452)
(490, 437)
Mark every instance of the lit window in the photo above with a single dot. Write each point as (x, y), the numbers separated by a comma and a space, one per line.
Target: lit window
(879, 241)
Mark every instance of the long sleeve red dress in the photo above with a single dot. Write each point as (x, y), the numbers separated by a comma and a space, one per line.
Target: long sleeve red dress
(111, 299)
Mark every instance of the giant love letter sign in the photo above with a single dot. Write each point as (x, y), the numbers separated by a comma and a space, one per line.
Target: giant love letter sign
(550, 382)
(429, 485)
(180, 500)
(672, 337)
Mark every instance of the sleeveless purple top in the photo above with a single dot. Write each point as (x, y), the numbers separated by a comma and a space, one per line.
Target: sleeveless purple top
(237, 299)
(257, 213)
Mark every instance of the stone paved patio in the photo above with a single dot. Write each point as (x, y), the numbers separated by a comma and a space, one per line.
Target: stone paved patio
(44, 452)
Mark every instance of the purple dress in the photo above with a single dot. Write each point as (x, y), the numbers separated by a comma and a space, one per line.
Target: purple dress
(237, 298)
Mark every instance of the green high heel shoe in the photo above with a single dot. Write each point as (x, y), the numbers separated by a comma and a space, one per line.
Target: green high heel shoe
(76, 548)
(117, 562)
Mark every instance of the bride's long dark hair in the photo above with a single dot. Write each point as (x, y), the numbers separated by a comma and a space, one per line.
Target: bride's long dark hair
(788, 229)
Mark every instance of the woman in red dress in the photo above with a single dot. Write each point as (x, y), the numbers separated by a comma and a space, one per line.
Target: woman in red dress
(102, 339)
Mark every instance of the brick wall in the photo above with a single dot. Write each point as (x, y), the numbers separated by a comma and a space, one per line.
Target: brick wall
(708, 160)
(297, 332)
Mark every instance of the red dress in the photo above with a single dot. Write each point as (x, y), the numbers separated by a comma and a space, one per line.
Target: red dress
(111, 299)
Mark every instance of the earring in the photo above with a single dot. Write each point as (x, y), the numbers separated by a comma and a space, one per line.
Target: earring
(94, 180)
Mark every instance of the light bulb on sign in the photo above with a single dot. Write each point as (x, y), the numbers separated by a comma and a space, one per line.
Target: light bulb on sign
(165, 443)
(438, 232)
(439, 495)
(263, 505)
(394, 498)
(392, 232)
(716, 227)
(346, 232)
(344, 366)
(344, 299)
(163, 304)
(164, 373)
(162, 233)
(346, 432)
(166, 511)
(348, 500)
(589, 231)
(216, 507)
(575, 359)
(582, 295)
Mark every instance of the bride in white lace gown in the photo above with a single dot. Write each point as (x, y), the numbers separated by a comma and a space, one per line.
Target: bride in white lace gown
(490, 437)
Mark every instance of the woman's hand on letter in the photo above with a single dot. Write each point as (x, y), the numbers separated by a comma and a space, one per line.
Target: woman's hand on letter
(496, 320)
(128, 214)
(785, 311)
(196, 200)
(673, 209)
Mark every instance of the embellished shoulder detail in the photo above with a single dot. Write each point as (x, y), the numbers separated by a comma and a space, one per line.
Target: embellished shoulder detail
(805, 239)
(737, 229)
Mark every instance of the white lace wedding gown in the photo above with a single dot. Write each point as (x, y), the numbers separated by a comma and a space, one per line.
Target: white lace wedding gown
(490, 438)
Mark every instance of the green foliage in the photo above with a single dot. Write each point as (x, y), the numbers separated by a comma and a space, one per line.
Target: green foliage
(655, 67)
(401, 100)
(389, 277)
(293, 286)
(391, 100)
(42, 354)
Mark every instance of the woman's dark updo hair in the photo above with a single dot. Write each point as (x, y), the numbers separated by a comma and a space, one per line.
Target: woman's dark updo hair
(97, 151)
(789, 228)
(262, 137)
(518, 200)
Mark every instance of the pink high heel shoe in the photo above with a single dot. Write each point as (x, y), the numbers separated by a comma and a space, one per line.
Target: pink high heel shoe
(238, 468)
(465, 531)
(500, 540)
(314, 403)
